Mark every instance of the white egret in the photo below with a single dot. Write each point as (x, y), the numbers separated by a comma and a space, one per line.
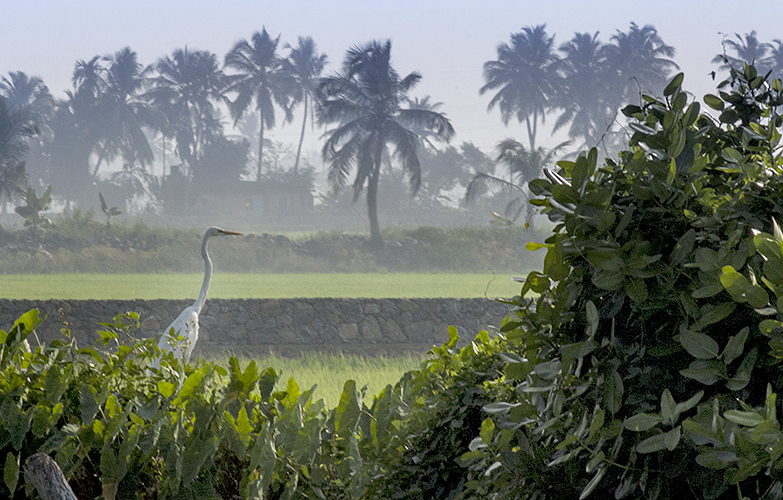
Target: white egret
(186, 324)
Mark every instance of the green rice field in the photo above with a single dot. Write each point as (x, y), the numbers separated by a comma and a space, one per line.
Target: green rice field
(330, 371)
(248, 286)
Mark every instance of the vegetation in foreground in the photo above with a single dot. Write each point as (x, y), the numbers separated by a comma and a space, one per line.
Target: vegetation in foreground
(647, 367)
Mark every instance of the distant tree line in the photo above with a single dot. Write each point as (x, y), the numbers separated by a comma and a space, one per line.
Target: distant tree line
(121, 116)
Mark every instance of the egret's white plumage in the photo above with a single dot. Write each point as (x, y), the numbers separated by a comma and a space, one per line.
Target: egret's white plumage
(186, 324)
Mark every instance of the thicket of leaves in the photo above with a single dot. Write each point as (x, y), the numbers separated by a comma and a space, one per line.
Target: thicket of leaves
(648, 365)
(120, 431)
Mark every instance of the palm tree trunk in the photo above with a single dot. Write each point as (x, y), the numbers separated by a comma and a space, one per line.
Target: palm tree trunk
(376, 240)
(301, 137)
(260, 146)
(531, 131)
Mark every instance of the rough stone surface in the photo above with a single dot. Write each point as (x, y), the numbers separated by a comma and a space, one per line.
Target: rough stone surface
(284, 326)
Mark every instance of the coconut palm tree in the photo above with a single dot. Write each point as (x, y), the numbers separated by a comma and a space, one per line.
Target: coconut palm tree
(639, 60)
(305, 65)
(126, 110)
(259, 78)
(523, 165)
(775, 58)
(23, 91)
(587, 107)
(747, 49)
(16, 126)
(29, 93)
(186, 87)
(524, 77)
(365, 102)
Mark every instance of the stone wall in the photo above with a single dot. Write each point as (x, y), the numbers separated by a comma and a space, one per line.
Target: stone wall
(288, 327)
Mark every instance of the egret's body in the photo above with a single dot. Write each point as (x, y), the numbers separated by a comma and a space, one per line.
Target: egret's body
(186, 324)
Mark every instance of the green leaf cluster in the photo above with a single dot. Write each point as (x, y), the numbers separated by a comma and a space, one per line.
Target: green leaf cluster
(649, 359)
(119, 430)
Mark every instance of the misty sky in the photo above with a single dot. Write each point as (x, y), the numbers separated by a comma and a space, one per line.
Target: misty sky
(446, 41)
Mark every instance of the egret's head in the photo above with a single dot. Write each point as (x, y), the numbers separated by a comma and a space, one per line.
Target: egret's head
(216, 231)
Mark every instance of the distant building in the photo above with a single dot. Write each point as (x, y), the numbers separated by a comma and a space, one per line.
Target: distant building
(283, 196)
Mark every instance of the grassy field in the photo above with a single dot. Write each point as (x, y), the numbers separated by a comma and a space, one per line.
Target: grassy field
(248, 286)
(330, 371)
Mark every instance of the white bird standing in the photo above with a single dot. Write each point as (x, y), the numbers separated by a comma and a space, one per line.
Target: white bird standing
(186, 324)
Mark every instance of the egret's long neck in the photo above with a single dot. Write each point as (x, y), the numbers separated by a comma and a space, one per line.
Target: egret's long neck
(202, 295)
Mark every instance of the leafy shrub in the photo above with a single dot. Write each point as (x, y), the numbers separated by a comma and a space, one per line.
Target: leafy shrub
(649, 361)
(201, 431)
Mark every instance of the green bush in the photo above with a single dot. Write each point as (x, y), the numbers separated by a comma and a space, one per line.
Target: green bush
(652, 355)
(119, 431)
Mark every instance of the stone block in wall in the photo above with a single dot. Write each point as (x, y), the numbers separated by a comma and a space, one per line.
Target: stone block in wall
(348, 332)
(371, 330)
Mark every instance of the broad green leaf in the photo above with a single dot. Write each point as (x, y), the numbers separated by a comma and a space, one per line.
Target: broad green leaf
(674, 84)
(499, 407)
(684, 246)
(690, 403)
(642, 422)
(11, 472)
(636, 290)
(716, 459)
(517, 371)
(659, 442)
(715, 314)
(668, 407)
(613, 392)
(699, 345)
(706, 372)
(487, 430)
(88, 406)
(672, 438)
(742, 290)
(347, 412)
(746, 418)
(714, 102)
(533, 246)
(191, 384)
(608, 280)
(595, 425)
(742, 376)
(165, 388)
(593, 483)
(735, 346)
(591, 312)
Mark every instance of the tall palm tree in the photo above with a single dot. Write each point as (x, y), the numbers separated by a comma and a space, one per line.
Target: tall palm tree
(23, 91)
(775, 58)
(305, 65)
(523, 165)
(586, 103)
(16, 126)
(186, 87)
(525, 78)
(126, 110)
(365, 102)
(747, 49)
(29, 93)
(640, 60)
(259, 78)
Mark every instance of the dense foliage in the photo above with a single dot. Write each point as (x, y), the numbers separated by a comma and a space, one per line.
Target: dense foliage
(651, 357)
(647, 365)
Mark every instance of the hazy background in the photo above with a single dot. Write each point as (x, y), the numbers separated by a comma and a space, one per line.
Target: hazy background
(447, 41)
